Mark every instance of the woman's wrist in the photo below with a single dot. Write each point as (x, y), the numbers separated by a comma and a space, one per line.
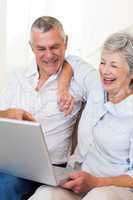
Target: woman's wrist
(104, 181)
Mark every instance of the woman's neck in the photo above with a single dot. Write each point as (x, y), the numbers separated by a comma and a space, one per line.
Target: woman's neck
(118, 97)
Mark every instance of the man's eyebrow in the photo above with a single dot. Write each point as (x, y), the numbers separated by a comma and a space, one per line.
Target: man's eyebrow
(113, 62)
(39, 46)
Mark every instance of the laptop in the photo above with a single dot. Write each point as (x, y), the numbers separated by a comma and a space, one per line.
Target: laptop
(24, 153)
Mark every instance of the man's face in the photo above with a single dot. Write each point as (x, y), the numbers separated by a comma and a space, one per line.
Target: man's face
(49, 49)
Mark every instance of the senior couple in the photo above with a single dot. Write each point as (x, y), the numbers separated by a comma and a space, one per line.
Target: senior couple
(104, 153)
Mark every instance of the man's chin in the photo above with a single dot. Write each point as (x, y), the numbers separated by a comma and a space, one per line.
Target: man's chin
(50, 68)
(54, 71)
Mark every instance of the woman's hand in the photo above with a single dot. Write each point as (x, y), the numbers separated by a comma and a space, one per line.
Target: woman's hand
(81, 182)
(66, 102)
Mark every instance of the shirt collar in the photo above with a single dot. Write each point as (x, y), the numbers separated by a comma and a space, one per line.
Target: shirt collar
(32, 69)
(121, 109)
(32, 73)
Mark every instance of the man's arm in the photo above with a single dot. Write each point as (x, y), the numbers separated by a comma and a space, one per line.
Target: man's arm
(18, 114)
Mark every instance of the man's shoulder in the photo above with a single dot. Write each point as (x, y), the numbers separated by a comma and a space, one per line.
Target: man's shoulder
(75, 58)
(79, 62)
(82, 69)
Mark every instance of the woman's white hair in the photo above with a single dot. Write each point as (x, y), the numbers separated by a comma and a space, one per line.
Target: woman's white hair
(121, 42)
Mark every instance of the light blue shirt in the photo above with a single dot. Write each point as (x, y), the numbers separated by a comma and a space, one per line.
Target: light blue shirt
(110, 141)
(105, 131)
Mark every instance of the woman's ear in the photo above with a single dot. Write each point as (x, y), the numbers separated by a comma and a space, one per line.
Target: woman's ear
(131, 75)
(66, 42)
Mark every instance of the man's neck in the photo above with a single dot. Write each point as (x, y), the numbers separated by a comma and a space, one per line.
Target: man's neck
(41, 80)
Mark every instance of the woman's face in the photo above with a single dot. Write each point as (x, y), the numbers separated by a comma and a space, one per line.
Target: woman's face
(114, 72)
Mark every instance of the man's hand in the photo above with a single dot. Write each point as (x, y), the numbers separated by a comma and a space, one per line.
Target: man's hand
(66, 102)
(81, 182)
(15, 113)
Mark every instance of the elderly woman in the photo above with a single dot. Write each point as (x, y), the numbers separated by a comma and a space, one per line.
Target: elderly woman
(105, 140)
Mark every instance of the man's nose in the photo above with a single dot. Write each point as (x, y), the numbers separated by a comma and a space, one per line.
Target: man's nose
(48, 53)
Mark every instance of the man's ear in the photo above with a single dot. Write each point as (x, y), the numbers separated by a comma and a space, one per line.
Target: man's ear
(31, 46)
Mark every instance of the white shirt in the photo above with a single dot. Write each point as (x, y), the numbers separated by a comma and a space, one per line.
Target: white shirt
(21, 93)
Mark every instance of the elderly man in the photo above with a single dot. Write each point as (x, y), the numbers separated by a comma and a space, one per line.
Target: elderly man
(36, 91)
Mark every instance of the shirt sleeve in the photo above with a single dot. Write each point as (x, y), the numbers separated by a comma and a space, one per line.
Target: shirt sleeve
(8, 92)
(85, 75)
(130, 170)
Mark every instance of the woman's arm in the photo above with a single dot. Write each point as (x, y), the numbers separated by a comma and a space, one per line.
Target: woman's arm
(65, 99)
(84, 74)
(83, 181)
(122, 181)
(65, 77)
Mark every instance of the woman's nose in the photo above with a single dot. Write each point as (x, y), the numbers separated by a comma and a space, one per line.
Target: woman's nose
(106, 69)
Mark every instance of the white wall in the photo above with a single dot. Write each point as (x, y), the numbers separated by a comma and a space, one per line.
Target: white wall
(87, 23)
(2, 39)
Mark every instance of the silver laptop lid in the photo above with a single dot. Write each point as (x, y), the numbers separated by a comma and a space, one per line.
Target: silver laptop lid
(23, 151)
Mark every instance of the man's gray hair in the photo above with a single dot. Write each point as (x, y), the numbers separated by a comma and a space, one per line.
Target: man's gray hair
(46, 23)
(121, 42)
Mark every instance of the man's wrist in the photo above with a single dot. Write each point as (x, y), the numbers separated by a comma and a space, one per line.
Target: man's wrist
(3, 113)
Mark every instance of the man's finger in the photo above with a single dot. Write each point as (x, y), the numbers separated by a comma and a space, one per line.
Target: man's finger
(27, 116)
